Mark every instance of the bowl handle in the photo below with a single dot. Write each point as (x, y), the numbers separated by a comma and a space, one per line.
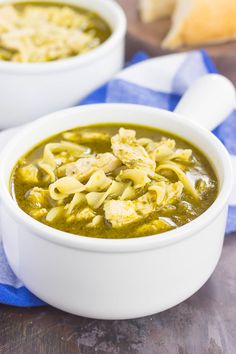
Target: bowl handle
(208, 101)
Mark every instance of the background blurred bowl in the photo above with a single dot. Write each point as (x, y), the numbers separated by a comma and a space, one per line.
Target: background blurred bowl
(30, 90)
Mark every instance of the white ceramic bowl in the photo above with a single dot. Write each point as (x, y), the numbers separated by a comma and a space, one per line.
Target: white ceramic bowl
(30, 90)
(125, 278)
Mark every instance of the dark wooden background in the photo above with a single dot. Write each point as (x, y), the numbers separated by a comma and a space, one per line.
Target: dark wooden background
(204, 324)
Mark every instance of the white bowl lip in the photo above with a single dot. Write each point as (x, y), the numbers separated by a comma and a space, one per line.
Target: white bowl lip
(117, 35)
(124, 245)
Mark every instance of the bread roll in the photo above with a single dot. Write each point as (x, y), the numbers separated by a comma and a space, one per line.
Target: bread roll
(202, 21)
(153, 9)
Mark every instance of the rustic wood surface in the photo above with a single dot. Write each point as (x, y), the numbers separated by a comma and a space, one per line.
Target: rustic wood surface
(204, 324)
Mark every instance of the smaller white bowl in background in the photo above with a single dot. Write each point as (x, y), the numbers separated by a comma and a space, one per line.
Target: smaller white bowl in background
(125, 278)
(30, 90)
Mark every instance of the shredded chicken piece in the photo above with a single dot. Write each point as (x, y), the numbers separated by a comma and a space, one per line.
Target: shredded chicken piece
(120, 212)
(29, 173)
(38, 213)
(108, 162)
(85, 214)
(85, 167)
(82, 168)
(126, 148)
(123, 212)
(160, 150)
(38, 197)
(145, 204)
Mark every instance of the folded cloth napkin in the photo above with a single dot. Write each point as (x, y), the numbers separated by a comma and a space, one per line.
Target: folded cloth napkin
(160, 83)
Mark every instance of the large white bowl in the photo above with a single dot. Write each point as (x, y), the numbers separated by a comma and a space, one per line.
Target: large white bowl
(125, 278)
(30, 90)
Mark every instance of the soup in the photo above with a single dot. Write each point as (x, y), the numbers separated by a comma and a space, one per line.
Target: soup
(41, 32)
(109, 181)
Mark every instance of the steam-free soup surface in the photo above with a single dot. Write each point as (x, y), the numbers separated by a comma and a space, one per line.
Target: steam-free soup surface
(113, 181)
(34, 32)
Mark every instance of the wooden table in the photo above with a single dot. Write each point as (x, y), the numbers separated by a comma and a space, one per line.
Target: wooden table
(204, 324)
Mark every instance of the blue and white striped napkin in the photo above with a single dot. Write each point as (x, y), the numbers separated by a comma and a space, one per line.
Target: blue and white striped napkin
(159, 82)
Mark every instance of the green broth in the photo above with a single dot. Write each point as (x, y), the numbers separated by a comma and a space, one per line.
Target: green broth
(182, 212)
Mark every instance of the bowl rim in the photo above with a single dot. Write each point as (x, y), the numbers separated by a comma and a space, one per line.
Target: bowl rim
(116, 36)
(119, 245)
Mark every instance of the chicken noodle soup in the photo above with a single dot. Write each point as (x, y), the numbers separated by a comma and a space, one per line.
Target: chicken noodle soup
(40, 32)
(114, 182)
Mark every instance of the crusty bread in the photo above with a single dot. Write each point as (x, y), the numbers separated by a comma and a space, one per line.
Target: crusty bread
(202, 21)
(153, 9)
